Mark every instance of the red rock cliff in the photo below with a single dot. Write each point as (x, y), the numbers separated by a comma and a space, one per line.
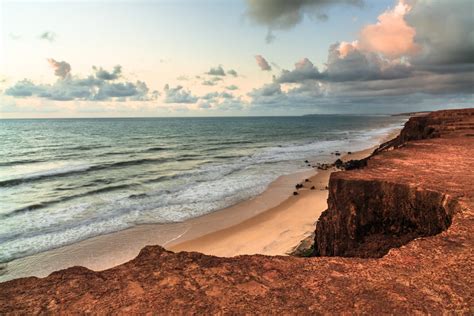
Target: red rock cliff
(402, 194)
(419, 195)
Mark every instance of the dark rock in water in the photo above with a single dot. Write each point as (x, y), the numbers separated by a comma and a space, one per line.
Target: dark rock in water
(295, 193)
(338, 163)
(337, 154)
(306, 161)
(349, 152)
(298, 186)
(323, 166)
(306, 180)
(309, 165)
(313, 187)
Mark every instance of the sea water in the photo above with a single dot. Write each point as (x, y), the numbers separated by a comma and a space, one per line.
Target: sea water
(65, 180)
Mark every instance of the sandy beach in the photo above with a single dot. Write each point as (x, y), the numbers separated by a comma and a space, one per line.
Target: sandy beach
(272, 223)
(275, 231)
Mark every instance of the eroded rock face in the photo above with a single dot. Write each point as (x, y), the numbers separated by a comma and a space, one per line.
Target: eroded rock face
(377, 216)
(402, 194)
(415, 190)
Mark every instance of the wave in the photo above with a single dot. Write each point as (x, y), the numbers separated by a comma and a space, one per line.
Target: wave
(156, 149)
(74, 170)
(44, 204)
(20, 162)
(85, 147)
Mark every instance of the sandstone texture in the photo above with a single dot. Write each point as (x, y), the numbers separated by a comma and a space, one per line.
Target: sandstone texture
(397, 238)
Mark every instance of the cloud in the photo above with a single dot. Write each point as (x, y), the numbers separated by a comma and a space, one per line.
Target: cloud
(262, 63)
(210, 96)
(14, 36)
(48, 36)
(304, 70)
(226, 95)
(212, 81)
(106, 75)
(24, 88)
(270, 37)
(61, 68)
(283, 14)
(444, 30)
(355, 65)
(267, 90)
(429, 60)
(178, 95)
(217, 71)
(232, 87)
(232, 72)
(208, 83)
(391, 35)
(100, 86)
(220, 101)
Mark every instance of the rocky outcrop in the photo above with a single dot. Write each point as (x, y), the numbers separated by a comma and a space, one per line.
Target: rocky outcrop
(396, 200)
(415, 204)
(367, 218)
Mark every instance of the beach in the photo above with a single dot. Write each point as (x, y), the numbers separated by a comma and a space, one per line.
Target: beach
(418, 247)
(272, 223)
(275, 231)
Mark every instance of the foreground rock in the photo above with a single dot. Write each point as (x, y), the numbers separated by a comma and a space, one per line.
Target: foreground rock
(422, 190)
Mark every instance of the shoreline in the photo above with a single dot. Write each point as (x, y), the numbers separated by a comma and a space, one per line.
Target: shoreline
(272, 223)
(277, 230)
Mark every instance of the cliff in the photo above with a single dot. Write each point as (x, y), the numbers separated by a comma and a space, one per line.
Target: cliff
(403, 224)
(413, 191)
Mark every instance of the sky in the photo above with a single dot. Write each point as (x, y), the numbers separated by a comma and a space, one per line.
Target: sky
(233, 57)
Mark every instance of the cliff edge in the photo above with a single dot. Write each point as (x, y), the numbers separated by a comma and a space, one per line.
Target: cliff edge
(397, 238)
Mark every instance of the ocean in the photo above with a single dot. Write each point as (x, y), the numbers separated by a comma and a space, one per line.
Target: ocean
(66, 180)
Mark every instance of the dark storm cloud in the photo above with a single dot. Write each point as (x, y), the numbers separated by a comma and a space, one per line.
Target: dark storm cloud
(284, 14)
(98, 87)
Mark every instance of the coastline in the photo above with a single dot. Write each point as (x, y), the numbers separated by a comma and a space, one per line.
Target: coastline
(421, 251)
(277, 230)
(272, 223)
